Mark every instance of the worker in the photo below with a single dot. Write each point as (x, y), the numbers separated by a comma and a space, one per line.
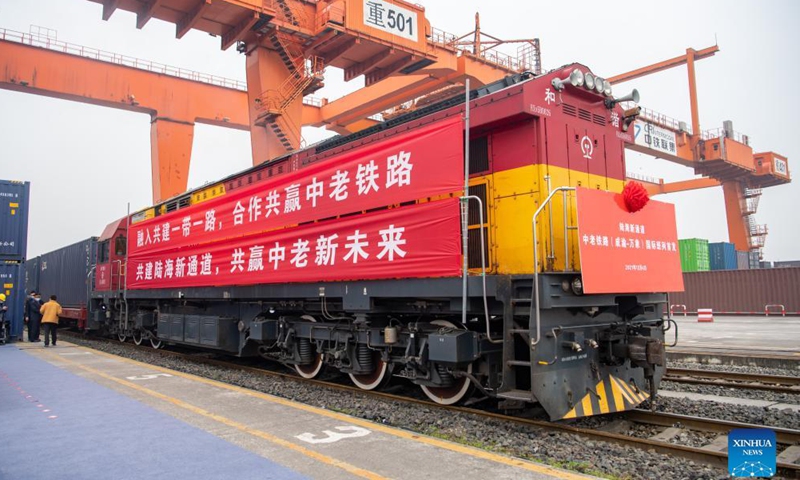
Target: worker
(50, 312)
(4, 328)
(32, 315)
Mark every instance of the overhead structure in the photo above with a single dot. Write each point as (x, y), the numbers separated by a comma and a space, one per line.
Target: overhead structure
(290, 43)
(722, 156)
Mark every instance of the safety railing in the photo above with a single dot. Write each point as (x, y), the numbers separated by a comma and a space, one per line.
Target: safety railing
(642, 178)
(49, 43)
(773, 306)
(673, 307)
(525, 60)
(535, 308)
(722, 133)
(660, 119)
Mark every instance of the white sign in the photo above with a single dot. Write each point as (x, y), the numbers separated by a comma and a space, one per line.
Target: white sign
(656, 138)
(391, 19)
(780, 167)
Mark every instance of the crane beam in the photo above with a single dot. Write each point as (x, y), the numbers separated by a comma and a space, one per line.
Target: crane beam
(174, 104)
(665, 65)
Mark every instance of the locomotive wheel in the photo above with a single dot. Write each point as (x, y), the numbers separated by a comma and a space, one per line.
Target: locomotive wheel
(460, 390)
(122, 337)
(378, 378)
(137, 337)
(313, 369)
(155, 342)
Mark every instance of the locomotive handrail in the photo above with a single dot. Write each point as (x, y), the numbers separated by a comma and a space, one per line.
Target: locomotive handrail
(467, 198)
(535, 292)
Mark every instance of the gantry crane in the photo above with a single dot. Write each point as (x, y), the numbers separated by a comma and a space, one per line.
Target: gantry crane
(722, 156)
(289, 43)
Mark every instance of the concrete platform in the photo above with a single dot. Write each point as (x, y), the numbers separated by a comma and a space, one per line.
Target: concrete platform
(753, 336)
(73, 412)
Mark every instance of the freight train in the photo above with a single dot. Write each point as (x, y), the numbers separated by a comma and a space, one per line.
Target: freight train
(351, 254)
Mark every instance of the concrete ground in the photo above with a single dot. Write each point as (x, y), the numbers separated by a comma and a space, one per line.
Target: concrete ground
(774, 334)
(100, 416)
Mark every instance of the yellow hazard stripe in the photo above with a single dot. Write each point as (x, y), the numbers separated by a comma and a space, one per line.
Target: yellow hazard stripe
(619, 404)
(586, 403)
(602, 398)
(622, 390)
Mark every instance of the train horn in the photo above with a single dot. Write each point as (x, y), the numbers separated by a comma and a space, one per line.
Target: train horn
(633, 96)
(575, 79)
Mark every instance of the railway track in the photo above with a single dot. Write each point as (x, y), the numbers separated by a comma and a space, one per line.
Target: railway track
(749, 381)
(709, 454)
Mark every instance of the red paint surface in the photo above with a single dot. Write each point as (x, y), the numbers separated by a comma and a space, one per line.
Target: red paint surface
(427, 238)
(426, 162)
(623, 252)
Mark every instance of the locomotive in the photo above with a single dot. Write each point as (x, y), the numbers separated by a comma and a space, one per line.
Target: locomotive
(352, 254)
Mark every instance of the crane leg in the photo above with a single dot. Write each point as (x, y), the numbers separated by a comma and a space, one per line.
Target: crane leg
(170, 154)
(737, 230)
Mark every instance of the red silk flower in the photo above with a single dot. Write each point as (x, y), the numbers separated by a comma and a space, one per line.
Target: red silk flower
(635, 196)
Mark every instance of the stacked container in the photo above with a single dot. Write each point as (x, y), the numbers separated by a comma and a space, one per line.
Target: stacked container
(694, 254)
(722, 256)
(742, 260)
(755, 261)
(14, 203)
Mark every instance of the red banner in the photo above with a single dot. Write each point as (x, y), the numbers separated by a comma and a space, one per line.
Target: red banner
(421, 163)
(416, 241)
(623, 252)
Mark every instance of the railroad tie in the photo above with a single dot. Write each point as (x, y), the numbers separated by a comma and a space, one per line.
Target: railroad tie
(790, 455)
(667, 434)
(720, 444)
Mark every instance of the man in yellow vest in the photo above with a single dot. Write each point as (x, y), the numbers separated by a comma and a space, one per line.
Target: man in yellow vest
(50, 312)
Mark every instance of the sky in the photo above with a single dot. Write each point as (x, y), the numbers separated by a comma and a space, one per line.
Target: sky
(86, 163)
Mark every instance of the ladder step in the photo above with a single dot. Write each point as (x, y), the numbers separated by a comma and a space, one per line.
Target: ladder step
(523, 395)
(519, 331)
(518, 363)
(521, 300)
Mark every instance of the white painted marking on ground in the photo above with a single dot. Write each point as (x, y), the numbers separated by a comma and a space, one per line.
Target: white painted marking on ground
(75, 353)
(334, 436)
(149, 376)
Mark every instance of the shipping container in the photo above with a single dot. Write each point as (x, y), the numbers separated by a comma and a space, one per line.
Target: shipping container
(721, 256)
(14, 198)
(786, 263)
(755, 261)
(764, 264)
(740, 291)
(32, 274)
(12, 279)
(742, 260)
(66, 273)
(694, 254)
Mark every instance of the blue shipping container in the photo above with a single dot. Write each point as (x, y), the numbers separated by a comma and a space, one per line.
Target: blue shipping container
(12, 279)
(14, 198)
(67, 273)
(32, 274)
(722, 256)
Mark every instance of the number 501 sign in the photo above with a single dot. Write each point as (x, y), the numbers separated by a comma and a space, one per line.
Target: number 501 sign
(391, 19)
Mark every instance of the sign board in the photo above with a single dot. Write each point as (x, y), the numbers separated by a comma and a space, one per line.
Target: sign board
(391, 19)
(421, 163)
(414, 241)
(654, 137)
(780, 167)
(623, 252)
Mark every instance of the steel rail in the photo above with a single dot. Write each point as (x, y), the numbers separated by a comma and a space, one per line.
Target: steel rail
(749, 381)
(710, 457)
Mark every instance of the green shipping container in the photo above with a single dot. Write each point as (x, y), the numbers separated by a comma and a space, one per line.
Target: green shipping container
(694, 255)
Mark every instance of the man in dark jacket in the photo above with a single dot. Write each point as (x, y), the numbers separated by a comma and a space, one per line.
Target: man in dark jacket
(32, 306)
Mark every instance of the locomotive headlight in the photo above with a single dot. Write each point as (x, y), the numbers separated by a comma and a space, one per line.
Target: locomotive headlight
(577, 286)
(576, 78)
(607, 91)
(588, 81)
(599, 85)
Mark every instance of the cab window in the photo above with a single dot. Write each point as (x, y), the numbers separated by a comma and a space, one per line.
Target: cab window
(102, 252)
(120, 244)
